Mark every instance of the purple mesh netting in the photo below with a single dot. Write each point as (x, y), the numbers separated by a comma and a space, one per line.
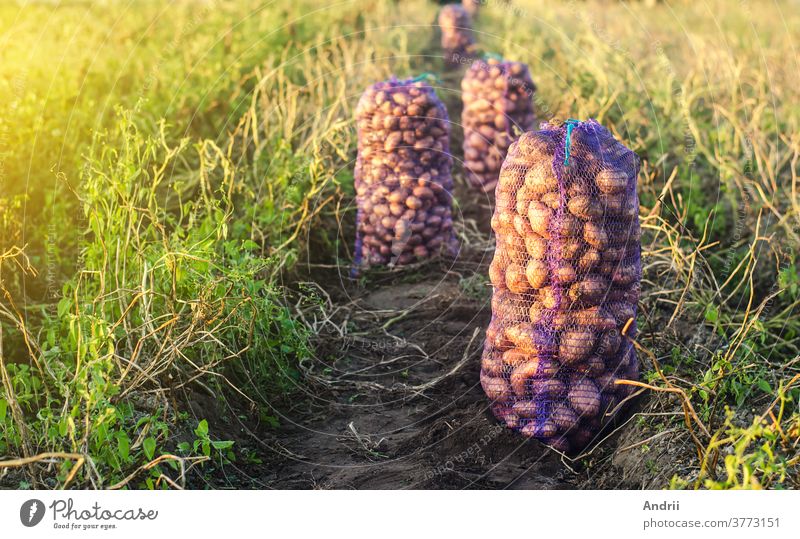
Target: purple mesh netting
(471, 7)
(498, 103)
(566, 276)
(458, 43)
(402, 175)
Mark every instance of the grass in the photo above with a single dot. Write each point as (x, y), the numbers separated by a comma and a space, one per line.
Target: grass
(166, 166)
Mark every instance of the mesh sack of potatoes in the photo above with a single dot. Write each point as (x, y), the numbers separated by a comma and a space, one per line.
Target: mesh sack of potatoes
(471, 7)
(402, 175)
(497, 101)
(458, 43)
(566, 279)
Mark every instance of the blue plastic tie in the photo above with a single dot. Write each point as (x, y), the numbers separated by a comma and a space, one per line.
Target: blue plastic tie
(571, 124)
(492, 56)
(425, 76)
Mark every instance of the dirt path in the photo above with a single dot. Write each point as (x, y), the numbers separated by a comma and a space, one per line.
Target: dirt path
(396, 402)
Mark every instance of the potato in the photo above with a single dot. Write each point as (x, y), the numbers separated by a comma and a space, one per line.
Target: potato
(423, 193)
(593, 366)
(547, 388)
(514, 247)
(552, 200)
(548, 367)
(522, 373)
(492, 364)
(564, 418)
(536, 246)
(537, 273)
(535, 146)
(576, 345)
(523, 202)
(567, 225)
(629, 360)
(508, 179)
(380, 210)
(612, 204)
(595, 235)
(564, 273)
(522, 227)
(516, 280)
(496, 388)
(508, 306)
(496, 337)
(497, 272)
(540, 178)
(622, 312)
(434, 221)
(530, 339)
(578, 187)
(585, 207)
(456, 29)
(398, 196)
(516, 356)
(540, 217)
(591, 290)
(505, 414)
(535, 429)
(608, 343)
(561, 319)
(502, 222)
(549, 297)
(413, 202)
(393, 140)
(594, 318)
(611, 181)
(630, 209)
(537, 313)
(613, 254)
(567, 249)
(505, 201)
(526, 409)
(625, 275)
(584, 397)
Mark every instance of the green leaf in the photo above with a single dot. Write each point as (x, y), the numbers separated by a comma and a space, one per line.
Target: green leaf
(123, 445)
(764, 386)
(222, 444)
(184, 447)
(202, 428)
(63, 306)
(3, 408)
(149, 447)
(270, 420)
(712, 315)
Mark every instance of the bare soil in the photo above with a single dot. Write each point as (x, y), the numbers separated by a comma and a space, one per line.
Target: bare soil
(396, 403)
